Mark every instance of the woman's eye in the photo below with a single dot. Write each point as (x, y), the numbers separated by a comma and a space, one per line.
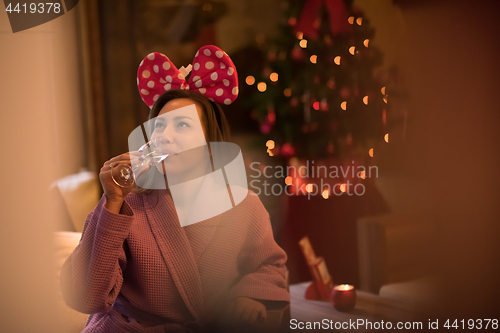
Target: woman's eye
(158, 125)
(182, 124)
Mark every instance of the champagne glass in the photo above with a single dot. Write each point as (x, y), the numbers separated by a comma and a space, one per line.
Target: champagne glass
(124, 174)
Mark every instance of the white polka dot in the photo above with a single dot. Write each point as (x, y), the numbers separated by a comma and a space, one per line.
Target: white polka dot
(151, 84)
(167, 86)
(227, 101)
(203, 90)
(144, 92)
(151, 56)
(168, 78)
(196, 78)
(213, 76)
(226, 82)
(211, 99)
(180, 76)
(162, 81)
(230, 71)
(166, 65)
(219, 54)
(219, 92)
(186, 87)
(222, 65)
(198, 83)
(146, 73)
(196, 66)
(209, 65)
(207, 52)
(155, 68)
(155, 98)
(235, 91)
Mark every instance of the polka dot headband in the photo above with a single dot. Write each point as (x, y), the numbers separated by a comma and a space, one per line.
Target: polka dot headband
(213, 75)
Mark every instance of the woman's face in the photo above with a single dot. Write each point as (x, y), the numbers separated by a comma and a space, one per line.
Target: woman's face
(180, 130)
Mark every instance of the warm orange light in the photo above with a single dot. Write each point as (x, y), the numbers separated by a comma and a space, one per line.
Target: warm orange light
(385, 99)
(365, 42)
(337, 60)
(270, 144)
(386, 137)
(288, 180)
(370, 152)
(299, 35)
(292, 21)
(325, 194)
(270, 152)
(262, 86)
(382, 90)
(351, 20)
(343, 187)
(314, 58)
(365, 100)
(362, 175)
(303, 43)
(352, 50)
(343, 105)
(309, 188)
(273, 77)
(316, 105)
(287, 92)
(343, 287)
(359, 20)
(250, 80)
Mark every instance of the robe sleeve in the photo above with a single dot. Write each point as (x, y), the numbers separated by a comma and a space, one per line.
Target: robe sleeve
(261, 263)
(92, 276)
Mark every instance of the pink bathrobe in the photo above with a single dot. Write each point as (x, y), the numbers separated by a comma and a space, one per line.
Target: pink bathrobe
(140, 271)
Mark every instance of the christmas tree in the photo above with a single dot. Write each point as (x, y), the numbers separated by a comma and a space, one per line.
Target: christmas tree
(316, 95)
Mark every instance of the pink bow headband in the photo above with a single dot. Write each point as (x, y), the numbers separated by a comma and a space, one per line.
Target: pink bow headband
(213, 75)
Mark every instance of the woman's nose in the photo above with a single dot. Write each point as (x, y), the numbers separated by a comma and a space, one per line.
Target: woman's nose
(168, 135)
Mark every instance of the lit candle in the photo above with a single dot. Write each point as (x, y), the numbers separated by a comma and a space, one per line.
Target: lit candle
(343, 297)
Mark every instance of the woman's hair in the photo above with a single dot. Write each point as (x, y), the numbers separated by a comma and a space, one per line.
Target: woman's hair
(212, 119)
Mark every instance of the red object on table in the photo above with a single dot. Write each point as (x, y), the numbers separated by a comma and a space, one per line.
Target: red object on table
(343, 297)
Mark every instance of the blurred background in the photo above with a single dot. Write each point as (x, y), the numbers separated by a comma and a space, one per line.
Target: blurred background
(406, 86)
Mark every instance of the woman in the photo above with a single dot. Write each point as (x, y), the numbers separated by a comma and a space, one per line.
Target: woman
(137, 269)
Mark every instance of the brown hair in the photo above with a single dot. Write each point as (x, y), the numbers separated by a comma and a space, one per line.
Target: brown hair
(213, 119)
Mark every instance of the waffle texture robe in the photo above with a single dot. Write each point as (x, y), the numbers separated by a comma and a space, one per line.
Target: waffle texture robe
(140, 271)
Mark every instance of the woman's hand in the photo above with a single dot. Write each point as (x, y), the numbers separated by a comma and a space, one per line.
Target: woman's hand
(247, 310)
(115, 195)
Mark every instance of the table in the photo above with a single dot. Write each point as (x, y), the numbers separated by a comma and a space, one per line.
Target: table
(369, 307)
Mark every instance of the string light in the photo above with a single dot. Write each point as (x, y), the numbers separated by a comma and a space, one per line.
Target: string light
(313, 58)
(273, 77)
(359, 20)
(270, 152)
(337, 60)
(343, 187)
(362, 175)
(370, 152)
(343, 105)
(365, 100)
(270, 144)
(303, 43)
(365, 42)
(352, 50)
(382, 90)
(316, 106)
(385, 99)
(384, 117)
(287, 92)
(326, 194)
(309, 188)
(292, 21)
(351, 20)
(386, 137)
(288, 180)
(262, 86)
(299, 35)
(250, 80)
